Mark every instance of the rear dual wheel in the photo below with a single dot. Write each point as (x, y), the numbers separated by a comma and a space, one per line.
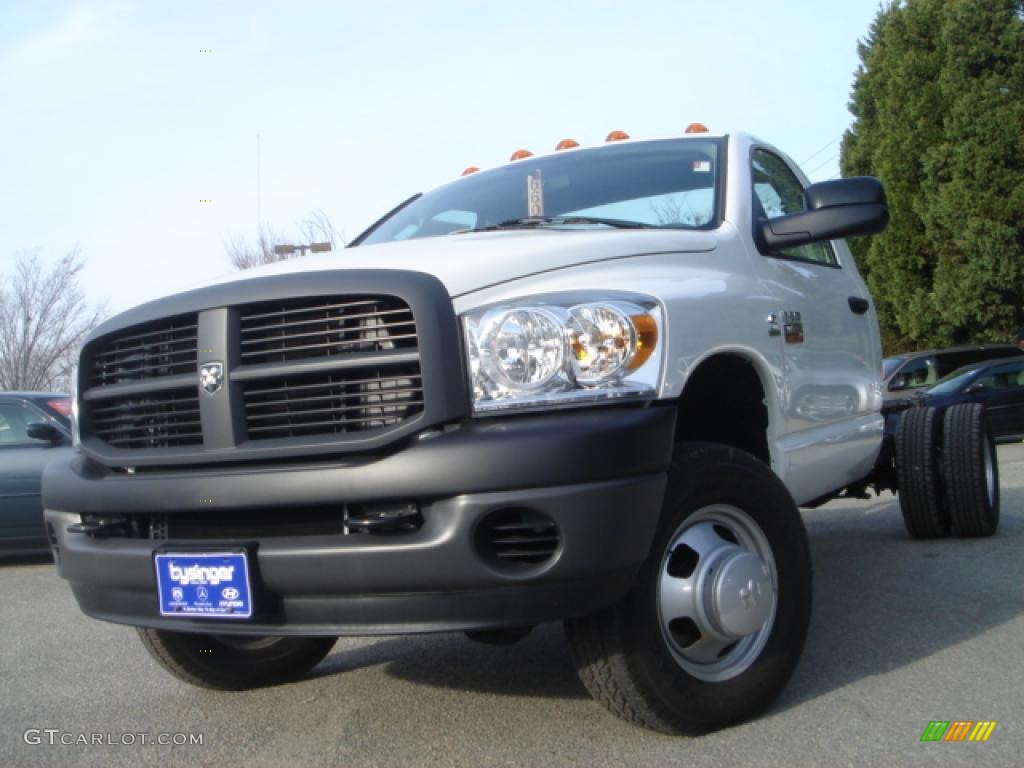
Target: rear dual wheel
(971, 472)
(948, 472)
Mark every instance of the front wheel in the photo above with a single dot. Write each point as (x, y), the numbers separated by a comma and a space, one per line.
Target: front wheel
(234, 662)
(714, 625)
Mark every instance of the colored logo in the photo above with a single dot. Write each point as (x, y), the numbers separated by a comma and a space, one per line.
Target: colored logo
(958, 730)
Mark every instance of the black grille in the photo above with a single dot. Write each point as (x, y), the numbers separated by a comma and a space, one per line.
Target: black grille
(163, 348)
(361, 400)
(216, 524)
(293, 365)
(166, 419)
(296, 329)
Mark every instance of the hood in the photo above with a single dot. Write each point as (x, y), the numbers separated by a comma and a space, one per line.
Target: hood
(469, 262)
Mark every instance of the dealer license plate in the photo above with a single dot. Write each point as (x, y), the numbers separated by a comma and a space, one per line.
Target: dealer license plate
(204, 585)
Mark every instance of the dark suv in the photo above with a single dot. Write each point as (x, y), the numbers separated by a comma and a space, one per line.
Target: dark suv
(915, 371)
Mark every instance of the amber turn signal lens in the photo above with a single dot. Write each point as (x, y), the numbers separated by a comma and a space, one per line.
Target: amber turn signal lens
(616, 136)
(471, 169)
(696, 128)
(519, 154)
(646, 338)
(567, 144)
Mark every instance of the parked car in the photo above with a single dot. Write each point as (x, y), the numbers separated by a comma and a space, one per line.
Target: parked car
(35, 428)
(997, 384)
(906, 374)
(916, 371)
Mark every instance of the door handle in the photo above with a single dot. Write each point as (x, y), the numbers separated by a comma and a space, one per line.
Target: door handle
(858, 305)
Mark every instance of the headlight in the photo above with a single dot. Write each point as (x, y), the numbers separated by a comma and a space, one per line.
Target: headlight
(554, 349)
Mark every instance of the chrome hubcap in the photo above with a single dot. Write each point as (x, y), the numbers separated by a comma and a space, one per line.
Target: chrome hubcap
(717, 593)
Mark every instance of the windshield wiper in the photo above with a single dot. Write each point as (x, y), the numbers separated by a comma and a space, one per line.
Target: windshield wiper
(534, 222)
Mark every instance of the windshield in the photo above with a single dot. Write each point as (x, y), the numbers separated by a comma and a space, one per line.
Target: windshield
(954, 381)
(669, 183)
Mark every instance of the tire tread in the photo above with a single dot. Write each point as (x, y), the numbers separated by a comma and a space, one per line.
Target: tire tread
(922, 502)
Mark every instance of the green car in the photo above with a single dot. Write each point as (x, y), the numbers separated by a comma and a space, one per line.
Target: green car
(35, 428)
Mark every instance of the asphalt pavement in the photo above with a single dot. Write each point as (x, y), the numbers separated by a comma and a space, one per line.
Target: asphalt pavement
(903, 633)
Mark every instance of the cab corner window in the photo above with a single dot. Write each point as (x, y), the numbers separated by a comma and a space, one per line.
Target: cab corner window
(778, 192)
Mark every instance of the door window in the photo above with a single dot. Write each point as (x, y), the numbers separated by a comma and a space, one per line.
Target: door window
(14, 421)
(778, 192)
(1004, 377)
(917, 373)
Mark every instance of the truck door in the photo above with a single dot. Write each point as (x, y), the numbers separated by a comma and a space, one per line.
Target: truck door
(828, 330)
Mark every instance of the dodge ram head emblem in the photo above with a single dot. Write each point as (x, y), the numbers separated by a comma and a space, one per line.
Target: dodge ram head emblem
(211, 377)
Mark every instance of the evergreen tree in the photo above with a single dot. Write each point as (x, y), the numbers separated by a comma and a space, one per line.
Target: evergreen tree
(938, 106)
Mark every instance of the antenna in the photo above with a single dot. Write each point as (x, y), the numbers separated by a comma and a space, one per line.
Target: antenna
(259, 191)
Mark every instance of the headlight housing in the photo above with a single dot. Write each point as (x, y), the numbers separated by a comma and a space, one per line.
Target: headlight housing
(558, 349)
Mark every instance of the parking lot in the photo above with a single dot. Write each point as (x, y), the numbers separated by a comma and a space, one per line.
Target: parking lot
(903, 633)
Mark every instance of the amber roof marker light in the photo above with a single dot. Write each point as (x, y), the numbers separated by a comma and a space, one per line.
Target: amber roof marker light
(616, 136)
(520, 154)
(469, 170)
(696, 128)
(567, 144)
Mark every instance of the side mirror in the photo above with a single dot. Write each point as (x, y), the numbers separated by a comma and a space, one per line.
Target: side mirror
(975, 388)
(835, 209)
(47, 432)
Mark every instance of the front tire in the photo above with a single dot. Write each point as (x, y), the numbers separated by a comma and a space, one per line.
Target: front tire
(234, 662)
(714, 625)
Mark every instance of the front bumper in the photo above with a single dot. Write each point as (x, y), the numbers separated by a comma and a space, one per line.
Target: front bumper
(598, 474)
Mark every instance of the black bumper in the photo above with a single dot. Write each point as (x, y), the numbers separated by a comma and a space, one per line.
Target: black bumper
(598, 474)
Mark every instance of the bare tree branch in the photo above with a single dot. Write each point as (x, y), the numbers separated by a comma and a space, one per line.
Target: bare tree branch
(672, 210)
(44, 317)
(315, 228)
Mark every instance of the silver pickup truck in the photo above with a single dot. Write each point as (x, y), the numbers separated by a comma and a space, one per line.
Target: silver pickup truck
(591, 386)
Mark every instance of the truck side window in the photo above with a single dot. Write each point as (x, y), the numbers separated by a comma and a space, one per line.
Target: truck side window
(778, 192)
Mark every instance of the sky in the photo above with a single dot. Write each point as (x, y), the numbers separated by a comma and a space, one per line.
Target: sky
(129, 129)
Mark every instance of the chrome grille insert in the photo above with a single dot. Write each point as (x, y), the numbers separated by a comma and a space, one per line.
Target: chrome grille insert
(161, 420)
(164, 348)
(295, 329)
(332, 403)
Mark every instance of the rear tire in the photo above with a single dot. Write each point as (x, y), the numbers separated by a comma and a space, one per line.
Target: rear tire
(235, 662)
(922, 500)
(714, 624)
(971, 471)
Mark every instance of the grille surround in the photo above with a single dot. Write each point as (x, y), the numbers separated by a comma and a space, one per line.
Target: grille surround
(437, 350)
